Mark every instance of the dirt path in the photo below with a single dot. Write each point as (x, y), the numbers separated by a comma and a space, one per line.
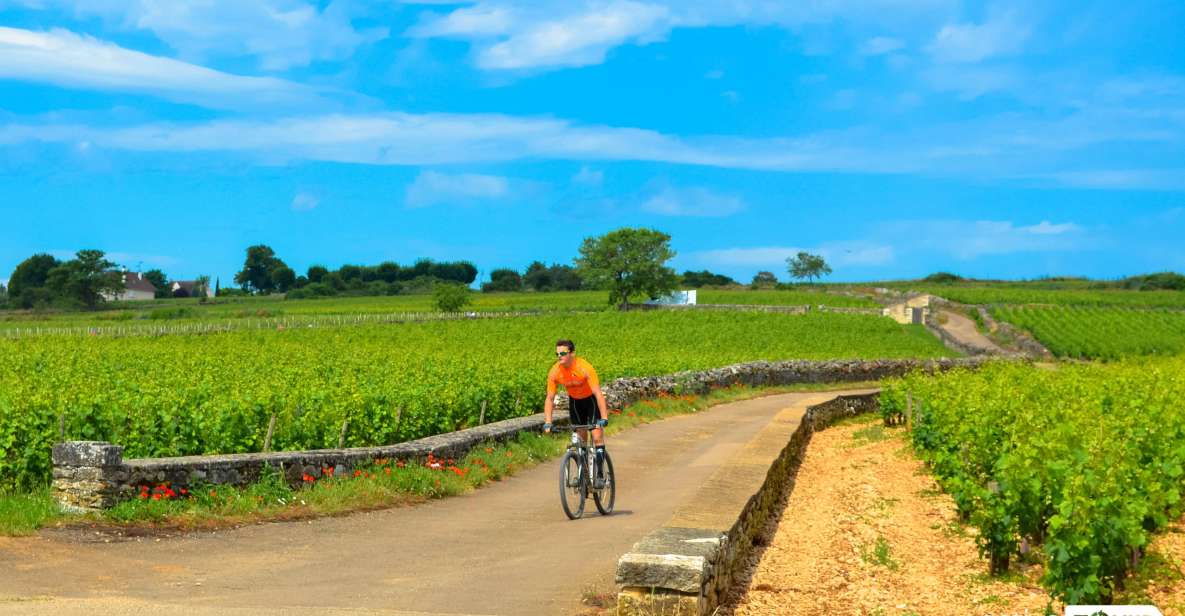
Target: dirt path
(505, 549)
(963, 329)
(866, 531)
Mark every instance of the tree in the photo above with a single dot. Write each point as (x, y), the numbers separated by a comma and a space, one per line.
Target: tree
(283, 278)
(89, 279)
(631, 263)
(201, 287)
(764, 280)
(503, 280)
(807, 265)
(31, 274)
(217, 287)
(449, 297)
(3, 295)
(942, 277)
(705, 278)
(160, 281)
(316, 273)
(256, 275)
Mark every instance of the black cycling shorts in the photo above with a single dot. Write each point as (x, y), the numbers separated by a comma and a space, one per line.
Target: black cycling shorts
(583, 411)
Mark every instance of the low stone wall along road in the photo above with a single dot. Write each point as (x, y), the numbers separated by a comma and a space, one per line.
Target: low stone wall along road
(506, 549)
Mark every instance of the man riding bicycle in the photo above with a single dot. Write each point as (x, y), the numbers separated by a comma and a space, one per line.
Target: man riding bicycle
(586, 403)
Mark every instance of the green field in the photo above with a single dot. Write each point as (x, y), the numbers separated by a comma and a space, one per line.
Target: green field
(176, 395)
(1100, 333)
(1012, 293)
(1081, 462)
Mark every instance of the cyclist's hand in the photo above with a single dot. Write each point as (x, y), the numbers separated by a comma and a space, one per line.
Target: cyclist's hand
(601, 423)
(547, 428)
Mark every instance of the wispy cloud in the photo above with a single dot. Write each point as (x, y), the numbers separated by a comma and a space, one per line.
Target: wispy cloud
(973, 239)
(281, 34)
(305, 201)
(508, 34)
(70, 60)
(588, 176)
(881, 45)
(1002, 33)
(853, 253)
(1006, 146)
(433, 187)
(693, 201)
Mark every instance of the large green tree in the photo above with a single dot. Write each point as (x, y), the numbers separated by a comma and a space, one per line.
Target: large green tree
(631, 263)
(88, 279)
(807, 265)
(160, 281)
(30, 274)
(259, 269)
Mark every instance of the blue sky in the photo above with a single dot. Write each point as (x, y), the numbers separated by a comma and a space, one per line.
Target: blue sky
(895, 137)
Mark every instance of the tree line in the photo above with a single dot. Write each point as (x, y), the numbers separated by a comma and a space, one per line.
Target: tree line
(629, 263)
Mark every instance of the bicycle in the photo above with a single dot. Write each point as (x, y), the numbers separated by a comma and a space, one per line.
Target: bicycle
(577, 470)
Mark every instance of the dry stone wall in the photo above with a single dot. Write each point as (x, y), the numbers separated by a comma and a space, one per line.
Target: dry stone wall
(91, 475)
(687, 571)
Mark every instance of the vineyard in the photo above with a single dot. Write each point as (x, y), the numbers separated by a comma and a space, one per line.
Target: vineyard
(191, 312)
(215, 393)
(1075, 467)
(1100, 333)
(1008, 294)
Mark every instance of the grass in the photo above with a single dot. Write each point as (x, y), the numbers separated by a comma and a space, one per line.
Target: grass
(879, 554)
(383, 484)
(23, 514)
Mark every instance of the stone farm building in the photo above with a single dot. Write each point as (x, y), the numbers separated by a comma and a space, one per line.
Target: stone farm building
(135, 288)
(188, 288)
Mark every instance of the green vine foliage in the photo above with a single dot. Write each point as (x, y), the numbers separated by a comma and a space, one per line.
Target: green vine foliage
(1084, 461)
(215, 393)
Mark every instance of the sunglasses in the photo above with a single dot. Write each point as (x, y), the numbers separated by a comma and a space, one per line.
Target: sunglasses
(563, 353)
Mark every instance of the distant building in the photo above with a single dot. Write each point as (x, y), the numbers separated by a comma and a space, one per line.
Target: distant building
(135, 288)
(188, 288)
(676, 298)
(914, 310)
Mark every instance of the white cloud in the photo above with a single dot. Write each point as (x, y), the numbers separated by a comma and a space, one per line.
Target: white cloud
(881, 45)
(854, 253)
(304, 202)
(63, 58)
(694, 201)
(973, 239)
(509, 34)
(432, 187)
(280, 33)
(589, 177)
(1002, 33)
(1121, 179)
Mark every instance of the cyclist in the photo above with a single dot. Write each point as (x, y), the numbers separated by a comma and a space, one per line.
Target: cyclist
(586, 403)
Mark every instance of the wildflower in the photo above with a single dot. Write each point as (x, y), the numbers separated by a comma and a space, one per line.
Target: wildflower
(388, 469)
(357, 474)
(156, 497)
(213, 493)
(489, 450)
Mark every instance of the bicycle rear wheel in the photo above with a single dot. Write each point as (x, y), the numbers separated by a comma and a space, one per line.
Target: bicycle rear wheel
(605, 496)
(573, 487)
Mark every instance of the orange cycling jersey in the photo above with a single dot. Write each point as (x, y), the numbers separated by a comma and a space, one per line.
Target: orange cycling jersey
(577, 380)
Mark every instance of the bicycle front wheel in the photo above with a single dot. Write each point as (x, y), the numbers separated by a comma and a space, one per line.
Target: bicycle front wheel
(605, 496)
(573, 487)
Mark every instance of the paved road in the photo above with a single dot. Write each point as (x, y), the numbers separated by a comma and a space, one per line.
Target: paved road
(506, 549)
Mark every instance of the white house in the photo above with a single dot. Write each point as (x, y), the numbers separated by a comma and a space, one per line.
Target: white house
(135, 288)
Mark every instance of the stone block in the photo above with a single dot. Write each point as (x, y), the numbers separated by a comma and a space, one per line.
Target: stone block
(663, 571)
(649, 602)
(87, 453)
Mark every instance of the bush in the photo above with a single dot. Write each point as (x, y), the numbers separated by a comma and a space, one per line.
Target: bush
(450, 297)
(1171, 281)
(942, 277)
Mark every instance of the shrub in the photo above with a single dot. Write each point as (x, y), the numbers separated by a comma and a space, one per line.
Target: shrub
(450, 297)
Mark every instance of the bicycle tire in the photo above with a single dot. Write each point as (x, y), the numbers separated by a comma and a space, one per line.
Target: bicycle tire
(569, 489)
(606, 496)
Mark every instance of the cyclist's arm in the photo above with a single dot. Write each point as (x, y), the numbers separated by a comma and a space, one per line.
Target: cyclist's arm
(601, 402)
(549, 401)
